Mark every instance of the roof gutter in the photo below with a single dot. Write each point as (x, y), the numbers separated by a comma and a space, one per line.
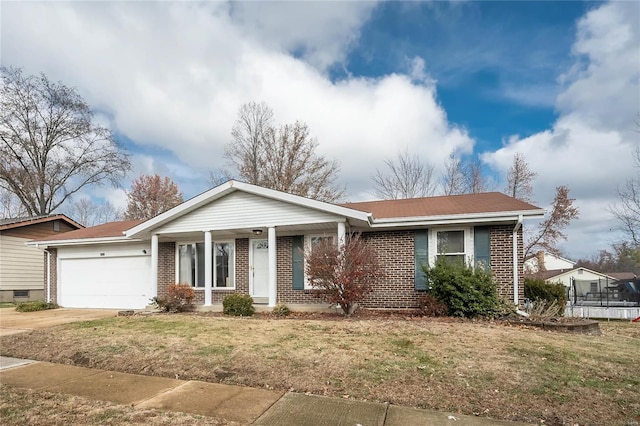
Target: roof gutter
(456, 219)
(515, 260)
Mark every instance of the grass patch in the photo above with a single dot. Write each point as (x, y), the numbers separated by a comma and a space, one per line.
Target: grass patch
(7, 305)
(505, 372)
(35, 306)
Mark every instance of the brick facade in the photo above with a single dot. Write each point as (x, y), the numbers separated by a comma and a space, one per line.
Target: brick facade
(53, 263)
(502, 261)
(395, 250)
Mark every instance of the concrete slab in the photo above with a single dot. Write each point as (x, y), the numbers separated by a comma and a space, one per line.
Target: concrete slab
(300, 410)
(402, 416)
(8, 362)
(233, 403)
(43, 375)
(12, 322)
(121, 388)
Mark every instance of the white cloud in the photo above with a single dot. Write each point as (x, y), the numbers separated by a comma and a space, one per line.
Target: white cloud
(173, 76)
(589, 147)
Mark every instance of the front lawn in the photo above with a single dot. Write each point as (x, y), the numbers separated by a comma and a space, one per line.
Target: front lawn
(483, 368)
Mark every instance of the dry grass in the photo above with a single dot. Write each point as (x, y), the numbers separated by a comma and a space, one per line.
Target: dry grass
(488, 369)
(26, 407)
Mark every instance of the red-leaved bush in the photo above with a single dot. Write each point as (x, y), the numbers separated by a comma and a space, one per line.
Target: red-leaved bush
(344, 273)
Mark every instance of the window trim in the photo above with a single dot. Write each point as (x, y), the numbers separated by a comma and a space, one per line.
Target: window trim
(232, 266)
(307, 248)
(468, 241)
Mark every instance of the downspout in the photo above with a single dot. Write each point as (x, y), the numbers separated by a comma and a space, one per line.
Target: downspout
(515, 260)
(48, 275)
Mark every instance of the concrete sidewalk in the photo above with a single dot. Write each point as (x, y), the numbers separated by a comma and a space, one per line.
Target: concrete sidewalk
(240, 404)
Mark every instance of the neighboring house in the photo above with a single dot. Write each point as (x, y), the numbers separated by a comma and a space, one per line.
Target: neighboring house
(544, 261)
(22, 268)
(243, 238)
(577, 274)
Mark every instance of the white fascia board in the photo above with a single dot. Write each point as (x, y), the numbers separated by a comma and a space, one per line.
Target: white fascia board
(81, 241)
(571, 271)
(455, 219)
(230, 186)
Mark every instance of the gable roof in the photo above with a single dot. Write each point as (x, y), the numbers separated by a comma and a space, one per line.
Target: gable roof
(232, 186)
(450, 205)
(18, 222)
(546, 275)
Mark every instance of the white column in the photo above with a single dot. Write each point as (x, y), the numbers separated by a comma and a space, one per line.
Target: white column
(342, 231)
(208, 279)
(273, 265)
(154, 265)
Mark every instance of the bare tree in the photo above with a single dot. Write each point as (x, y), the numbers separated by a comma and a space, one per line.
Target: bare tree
(551, 229)
(453, 179)
(249, 133)
(10, 206)
(218, 177)
(150, 196)
(404, 177)
(519, 179)
(90, 213)
(345, 273)
(627, 209)
(475, 180)
(50, 148)
(281, 158)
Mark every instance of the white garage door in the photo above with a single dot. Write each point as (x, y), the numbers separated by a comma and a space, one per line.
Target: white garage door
(115, 282)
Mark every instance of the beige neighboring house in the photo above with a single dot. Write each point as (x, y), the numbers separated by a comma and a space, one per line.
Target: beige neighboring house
(544, 261)
(579, 274)
(22, 268)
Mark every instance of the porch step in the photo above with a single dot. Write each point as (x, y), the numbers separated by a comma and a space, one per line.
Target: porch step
(261, 300)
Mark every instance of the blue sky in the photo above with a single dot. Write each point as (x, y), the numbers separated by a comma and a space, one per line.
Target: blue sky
(555, 81)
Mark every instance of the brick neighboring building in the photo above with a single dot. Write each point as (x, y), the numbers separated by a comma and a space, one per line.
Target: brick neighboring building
(223, 241)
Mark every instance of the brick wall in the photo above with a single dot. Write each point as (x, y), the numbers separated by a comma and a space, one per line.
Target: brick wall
(502, 261)
(53, 262)
(395, 250)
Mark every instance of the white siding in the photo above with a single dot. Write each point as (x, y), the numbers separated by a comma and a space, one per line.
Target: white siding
(584, 276)
(21, 267)
(242, 210)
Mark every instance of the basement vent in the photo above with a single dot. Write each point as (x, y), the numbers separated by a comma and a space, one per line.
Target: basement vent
(20, 293)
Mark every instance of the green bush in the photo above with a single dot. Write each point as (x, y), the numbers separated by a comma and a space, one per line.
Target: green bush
(281, 310)
(239, 305)
(466, 292)
(35, 306)
(538, 290)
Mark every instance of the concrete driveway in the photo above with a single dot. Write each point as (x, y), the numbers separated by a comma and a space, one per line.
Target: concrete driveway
(12, 322)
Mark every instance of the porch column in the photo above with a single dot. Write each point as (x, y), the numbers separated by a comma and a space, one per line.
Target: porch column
(341, 233)
(207, 268)
(273, 265)
(154, 265)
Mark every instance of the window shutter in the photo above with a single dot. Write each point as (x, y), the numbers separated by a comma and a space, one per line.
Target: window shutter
(482, 247)
(421, 252)
(297, 262)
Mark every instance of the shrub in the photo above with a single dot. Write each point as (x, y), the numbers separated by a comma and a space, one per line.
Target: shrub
(281, 310)
(344, 273)
(35, 306)
(179, 299)
(466, 292)
(538, 290)
(239, 305)
(431, 306)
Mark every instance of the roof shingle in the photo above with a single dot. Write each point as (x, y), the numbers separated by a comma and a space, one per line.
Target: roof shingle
(111, 229)
(489, 202)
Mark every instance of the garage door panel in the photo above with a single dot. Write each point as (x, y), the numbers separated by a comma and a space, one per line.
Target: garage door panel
(118, 282)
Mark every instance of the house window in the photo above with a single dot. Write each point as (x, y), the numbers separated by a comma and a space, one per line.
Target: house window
(191, 261)
(312, 241)
(451, 246)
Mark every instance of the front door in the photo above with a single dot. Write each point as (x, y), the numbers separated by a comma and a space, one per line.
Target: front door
(259, 268)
